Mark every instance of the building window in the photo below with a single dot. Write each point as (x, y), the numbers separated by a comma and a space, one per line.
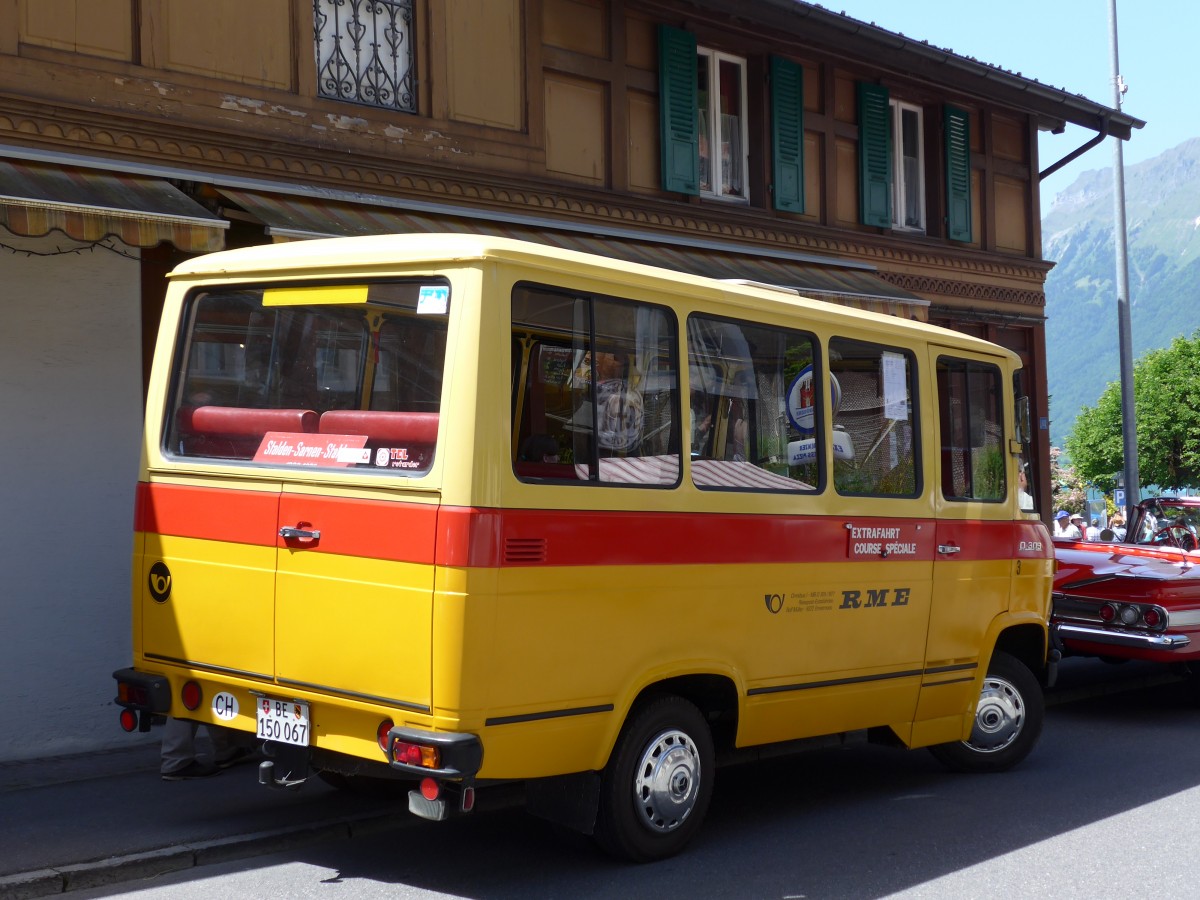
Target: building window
(908, 194)
(365, 52)
(721, 123)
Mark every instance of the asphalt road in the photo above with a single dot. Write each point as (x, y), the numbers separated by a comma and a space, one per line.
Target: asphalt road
(1105, 807)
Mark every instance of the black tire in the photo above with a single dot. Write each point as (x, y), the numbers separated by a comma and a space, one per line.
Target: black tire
(655, 790)
(1008, 720)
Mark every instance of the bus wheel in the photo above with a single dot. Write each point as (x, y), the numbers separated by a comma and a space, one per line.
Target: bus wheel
(655, 790)
(1008, 720)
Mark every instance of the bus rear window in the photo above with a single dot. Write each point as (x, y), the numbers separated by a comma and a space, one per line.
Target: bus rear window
(261, 377)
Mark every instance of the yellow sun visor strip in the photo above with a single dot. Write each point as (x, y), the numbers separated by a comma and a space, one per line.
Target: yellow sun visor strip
(341, 294)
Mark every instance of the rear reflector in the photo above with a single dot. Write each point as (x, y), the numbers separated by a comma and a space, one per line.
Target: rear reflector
(191, 695)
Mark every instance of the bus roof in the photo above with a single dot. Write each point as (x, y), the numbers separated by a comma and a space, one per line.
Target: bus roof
(361, 255)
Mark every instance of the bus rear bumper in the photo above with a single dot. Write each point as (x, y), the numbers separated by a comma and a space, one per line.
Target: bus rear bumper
(445, 765)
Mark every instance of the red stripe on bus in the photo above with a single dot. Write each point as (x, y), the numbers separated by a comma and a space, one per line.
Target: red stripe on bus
(215, 514)
(488, 538)
(473, 537)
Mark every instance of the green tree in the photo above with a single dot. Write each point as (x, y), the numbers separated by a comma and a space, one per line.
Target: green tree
(1166, 390)
(1068, 488)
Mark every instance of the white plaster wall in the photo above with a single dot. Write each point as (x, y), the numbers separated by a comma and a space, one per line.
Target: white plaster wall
(70, 425)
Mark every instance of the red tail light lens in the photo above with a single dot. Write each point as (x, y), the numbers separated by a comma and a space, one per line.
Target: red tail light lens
(417, 755)
(1152, 618)
(133, 694)
(430, 789)
(381, 733)
(129, 720)
(191, 695)
(1108, 612)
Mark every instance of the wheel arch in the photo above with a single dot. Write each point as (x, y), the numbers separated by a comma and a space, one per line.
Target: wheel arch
(715, 694)
(1025, 640)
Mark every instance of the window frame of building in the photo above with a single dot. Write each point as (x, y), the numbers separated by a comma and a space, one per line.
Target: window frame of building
(907, 180)
(678, 97)
(351, 68)
(711, 126)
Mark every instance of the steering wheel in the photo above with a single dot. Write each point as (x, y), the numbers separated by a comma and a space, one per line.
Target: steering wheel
(1176, 536)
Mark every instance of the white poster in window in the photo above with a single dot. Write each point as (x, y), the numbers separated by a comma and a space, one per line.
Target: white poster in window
(895, 387)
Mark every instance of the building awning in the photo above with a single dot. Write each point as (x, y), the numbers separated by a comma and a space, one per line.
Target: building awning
(290, 217)
(90, 205)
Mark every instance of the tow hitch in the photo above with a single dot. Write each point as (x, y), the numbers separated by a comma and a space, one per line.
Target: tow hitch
(291, 762)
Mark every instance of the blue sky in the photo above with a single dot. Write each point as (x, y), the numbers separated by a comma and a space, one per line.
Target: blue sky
(1065, 44)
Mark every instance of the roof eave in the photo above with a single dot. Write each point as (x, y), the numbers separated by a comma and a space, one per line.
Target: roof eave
(815, 26)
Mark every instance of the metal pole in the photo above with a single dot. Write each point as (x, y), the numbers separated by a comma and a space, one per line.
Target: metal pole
(1124, 330)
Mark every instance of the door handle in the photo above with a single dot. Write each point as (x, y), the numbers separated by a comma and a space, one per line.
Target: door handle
(948, 549)
(298, 534)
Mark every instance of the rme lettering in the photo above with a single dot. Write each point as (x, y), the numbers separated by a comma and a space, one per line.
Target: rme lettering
(881, 597)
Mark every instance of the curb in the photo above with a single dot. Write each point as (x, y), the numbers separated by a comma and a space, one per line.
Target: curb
(150, 863)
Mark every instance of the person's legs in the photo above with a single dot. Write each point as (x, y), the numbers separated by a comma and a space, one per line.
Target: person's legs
(227, 751)
(178, 754)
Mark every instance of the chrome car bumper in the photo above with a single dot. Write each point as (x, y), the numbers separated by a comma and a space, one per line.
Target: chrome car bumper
(1117, 637)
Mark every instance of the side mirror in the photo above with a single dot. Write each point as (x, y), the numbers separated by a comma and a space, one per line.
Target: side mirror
(1024, 426)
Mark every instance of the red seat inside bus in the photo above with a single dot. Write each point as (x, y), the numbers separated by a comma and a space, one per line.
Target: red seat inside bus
(235, 432)
(380, 427)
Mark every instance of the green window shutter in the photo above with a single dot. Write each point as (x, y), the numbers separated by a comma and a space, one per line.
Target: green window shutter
(874, 155)
(677, 110)
(787, 134)
(958, 174)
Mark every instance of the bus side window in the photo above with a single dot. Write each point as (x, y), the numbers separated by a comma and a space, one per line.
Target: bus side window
(971, 426)
(595, 379)
(754, 409)
(875, 450)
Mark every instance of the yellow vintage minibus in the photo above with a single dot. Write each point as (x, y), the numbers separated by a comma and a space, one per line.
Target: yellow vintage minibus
(461, 510)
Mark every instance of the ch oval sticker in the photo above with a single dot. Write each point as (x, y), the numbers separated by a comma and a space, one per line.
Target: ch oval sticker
(160, 582)
(225, 706)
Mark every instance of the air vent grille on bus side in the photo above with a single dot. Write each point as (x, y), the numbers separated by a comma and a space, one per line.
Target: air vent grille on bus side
(525, 550)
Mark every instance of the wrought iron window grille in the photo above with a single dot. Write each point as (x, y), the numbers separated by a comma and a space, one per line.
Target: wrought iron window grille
(365, 52)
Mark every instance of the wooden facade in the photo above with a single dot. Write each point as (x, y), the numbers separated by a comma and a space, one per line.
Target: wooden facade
(548, 112)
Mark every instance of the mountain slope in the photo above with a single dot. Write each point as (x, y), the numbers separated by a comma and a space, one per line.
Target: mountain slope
(1162, 202)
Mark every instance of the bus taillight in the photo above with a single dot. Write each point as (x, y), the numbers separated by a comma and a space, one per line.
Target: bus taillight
(417, 755)
(381, 733)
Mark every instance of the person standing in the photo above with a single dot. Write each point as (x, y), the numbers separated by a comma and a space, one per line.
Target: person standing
(180, 759)
(1079, 524)
(1064, 528)
(1118, 527)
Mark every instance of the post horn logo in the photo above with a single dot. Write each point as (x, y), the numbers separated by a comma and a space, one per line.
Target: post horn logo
(160, 582)
(774, 602)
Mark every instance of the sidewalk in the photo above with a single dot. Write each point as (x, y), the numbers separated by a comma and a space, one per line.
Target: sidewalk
(69, 823)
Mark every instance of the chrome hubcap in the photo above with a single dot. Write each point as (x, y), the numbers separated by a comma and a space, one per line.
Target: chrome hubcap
(668, 781)
(999, 716)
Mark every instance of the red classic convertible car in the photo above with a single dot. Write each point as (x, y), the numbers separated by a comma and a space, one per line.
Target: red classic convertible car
(1134, 599)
